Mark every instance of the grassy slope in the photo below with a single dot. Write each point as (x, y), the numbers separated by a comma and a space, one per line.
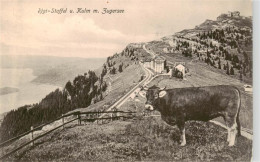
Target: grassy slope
(139, 139)
(121, 84)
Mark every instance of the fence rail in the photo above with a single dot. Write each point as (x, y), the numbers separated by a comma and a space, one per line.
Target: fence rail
(89, 116)
(37, 128)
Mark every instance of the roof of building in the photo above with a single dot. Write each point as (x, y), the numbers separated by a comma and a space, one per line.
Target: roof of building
(148, 60)
(157, 58)
(180, 67)
(177, 63)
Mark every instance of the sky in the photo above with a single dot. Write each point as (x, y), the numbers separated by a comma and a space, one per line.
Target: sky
(23, 31)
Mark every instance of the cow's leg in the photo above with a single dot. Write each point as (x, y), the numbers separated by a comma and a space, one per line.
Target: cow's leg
(233, 134)
(228, 130)
(181, 127)
(183, 137)
(232, 130)
(228, 136)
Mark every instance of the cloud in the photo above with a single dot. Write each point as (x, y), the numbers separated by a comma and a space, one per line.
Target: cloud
(74, 32)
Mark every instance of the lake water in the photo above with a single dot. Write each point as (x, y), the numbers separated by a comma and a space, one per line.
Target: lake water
(29, 93)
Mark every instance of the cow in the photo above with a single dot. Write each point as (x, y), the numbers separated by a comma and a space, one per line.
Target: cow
(196, 103)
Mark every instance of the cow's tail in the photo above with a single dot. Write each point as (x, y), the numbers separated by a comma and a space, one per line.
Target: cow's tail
(237, 117)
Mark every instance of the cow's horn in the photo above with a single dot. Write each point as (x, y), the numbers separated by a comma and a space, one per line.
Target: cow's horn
(161, 89)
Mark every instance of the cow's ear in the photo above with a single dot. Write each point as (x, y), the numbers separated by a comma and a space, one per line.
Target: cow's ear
(162, 93)
(142, 93)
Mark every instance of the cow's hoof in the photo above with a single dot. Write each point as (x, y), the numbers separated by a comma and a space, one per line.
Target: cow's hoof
(230, 144)
(183, 144)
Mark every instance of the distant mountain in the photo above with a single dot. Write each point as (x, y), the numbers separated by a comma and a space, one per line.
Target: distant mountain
(7, 90)
(224, 43)
(51, 69)
(222, 22)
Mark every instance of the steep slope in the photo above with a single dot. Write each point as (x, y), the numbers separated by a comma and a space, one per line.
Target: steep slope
(141, 139)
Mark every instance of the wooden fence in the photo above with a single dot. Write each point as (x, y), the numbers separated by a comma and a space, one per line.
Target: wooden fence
(80, 116)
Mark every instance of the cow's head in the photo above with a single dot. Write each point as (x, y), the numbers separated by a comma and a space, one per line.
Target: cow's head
(152, 94)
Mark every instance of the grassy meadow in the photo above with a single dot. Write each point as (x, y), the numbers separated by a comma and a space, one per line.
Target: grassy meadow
(138, 139)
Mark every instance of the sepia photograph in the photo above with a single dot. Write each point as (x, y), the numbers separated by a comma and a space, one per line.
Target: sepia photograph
(132, 80)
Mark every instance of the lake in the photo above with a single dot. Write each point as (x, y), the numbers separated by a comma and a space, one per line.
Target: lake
(28, 92)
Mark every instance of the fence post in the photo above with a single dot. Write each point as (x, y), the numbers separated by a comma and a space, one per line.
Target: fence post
(115, 114)
(62, 121)
(98, 116)
(79, 119)
(101, 119)
(32, 144)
